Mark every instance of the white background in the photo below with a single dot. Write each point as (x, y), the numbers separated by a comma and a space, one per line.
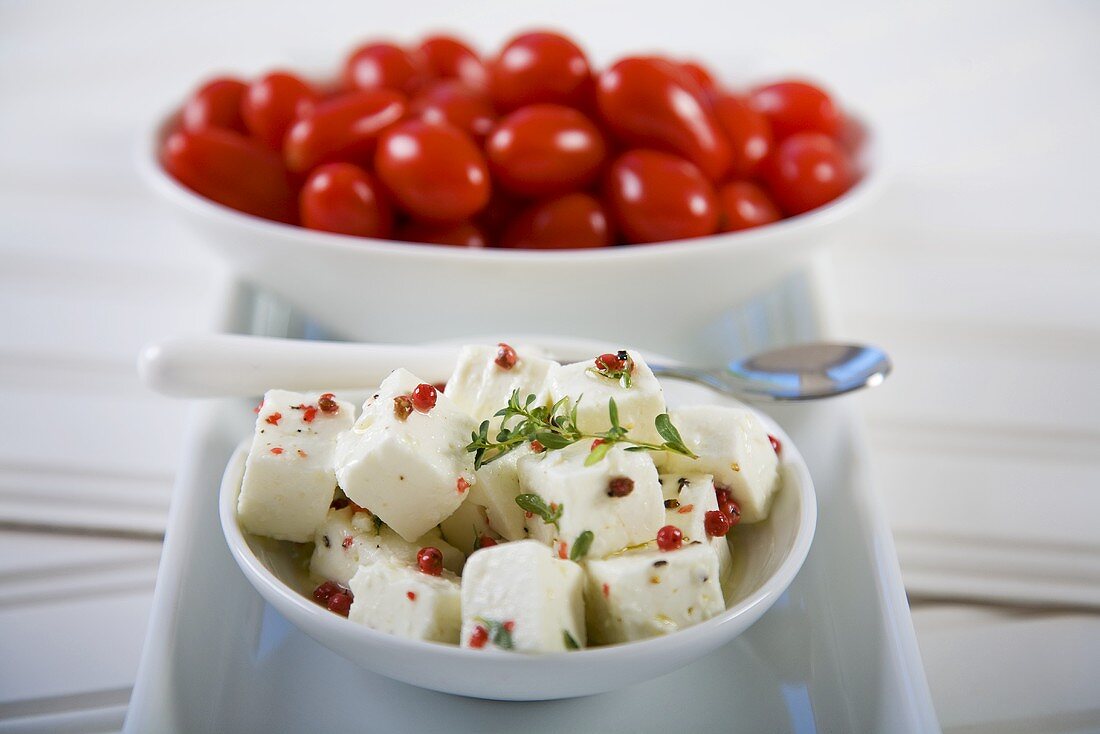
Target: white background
(978, 271)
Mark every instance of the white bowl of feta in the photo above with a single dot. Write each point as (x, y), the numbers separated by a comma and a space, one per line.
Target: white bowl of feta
(635, 600)
(363, 289)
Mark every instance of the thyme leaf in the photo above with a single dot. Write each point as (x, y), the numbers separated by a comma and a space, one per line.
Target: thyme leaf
(537, 505)
(673, 441)
(598, 452)
(581, 545)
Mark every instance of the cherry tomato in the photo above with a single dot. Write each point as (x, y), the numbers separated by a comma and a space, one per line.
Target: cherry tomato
(569, 222)
(748, 132)
(344, 128)
(454, 102)
(434, 171)
(272, 103)
(232, 170)
(852, 135)
(540, 67)
(806, 171)
(216, 104)
(446, 57)
(461, 234)
(794, 107)
(499, 213)
(544, 150)
(701, 75)
(656, 196)
(743, 204)
(331, 86)
(384, 66)
(650, 102)
(343, 198)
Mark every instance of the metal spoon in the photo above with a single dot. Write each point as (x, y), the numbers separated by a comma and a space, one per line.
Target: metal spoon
(801, 372)
(220, 365)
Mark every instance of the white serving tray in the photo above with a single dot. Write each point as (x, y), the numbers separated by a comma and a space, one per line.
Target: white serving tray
(837, 653)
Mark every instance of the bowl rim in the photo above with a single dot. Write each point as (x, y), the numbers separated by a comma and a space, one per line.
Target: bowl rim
(870, 182)
(750, 607)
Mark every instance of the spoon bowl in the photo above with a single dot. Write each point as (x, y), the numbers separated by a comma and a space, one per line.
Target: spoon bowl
(809, 371)
(815, 370)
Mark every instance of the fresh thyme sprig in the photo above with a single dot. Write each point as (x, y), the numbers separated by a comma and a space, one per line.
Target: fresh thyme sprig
(555, 427)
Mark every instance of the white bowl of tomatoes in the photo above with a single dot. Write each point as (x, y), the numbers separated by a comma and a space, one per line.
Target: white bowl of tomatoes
(430, 192)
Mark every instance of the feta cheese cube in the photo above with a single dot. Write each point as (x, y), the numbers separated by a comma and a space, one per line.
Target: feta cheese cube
(688, 499)
(733, 446)
(412, 470)
(639, 405)
(534, 601)
(289, 478)
(453, 558)
(480, 386)
(496, 489)
(350, 539)
(467, 526)
(387, 544)
(618, 498)
(337, 542)
(650, 593)
(392, 597)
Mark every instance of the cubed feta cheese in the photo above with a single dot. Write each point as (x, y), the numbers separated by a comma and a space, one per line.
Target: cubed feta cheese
(480, 386)
(496, 489)
(733, 446)
(650, 593)
(348, 540)
(412, 470)
(639, 405)
(688, 499)
(467, 526)
(618, 498)
(289, 478)
(392, 597)
(453, 558)
(388, 544)
(337, 542)
(531, 600)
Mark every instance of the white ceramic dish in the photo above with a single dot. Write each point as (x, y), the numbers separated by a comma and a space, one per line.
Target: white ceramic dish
(836, 653)
(767, 556)
(351, 284)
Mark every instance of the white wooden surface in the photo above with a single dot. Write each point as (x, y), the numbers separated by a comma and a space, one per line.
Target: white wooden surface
(977, 272)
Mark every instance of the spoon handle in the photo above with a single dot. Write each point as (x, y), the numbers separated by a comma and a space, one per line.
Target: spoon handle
(722, 381)
(220, 365)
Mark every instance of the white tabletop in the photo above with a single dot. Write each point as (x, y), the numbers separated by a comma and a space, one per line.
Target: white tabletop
(977, 272)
